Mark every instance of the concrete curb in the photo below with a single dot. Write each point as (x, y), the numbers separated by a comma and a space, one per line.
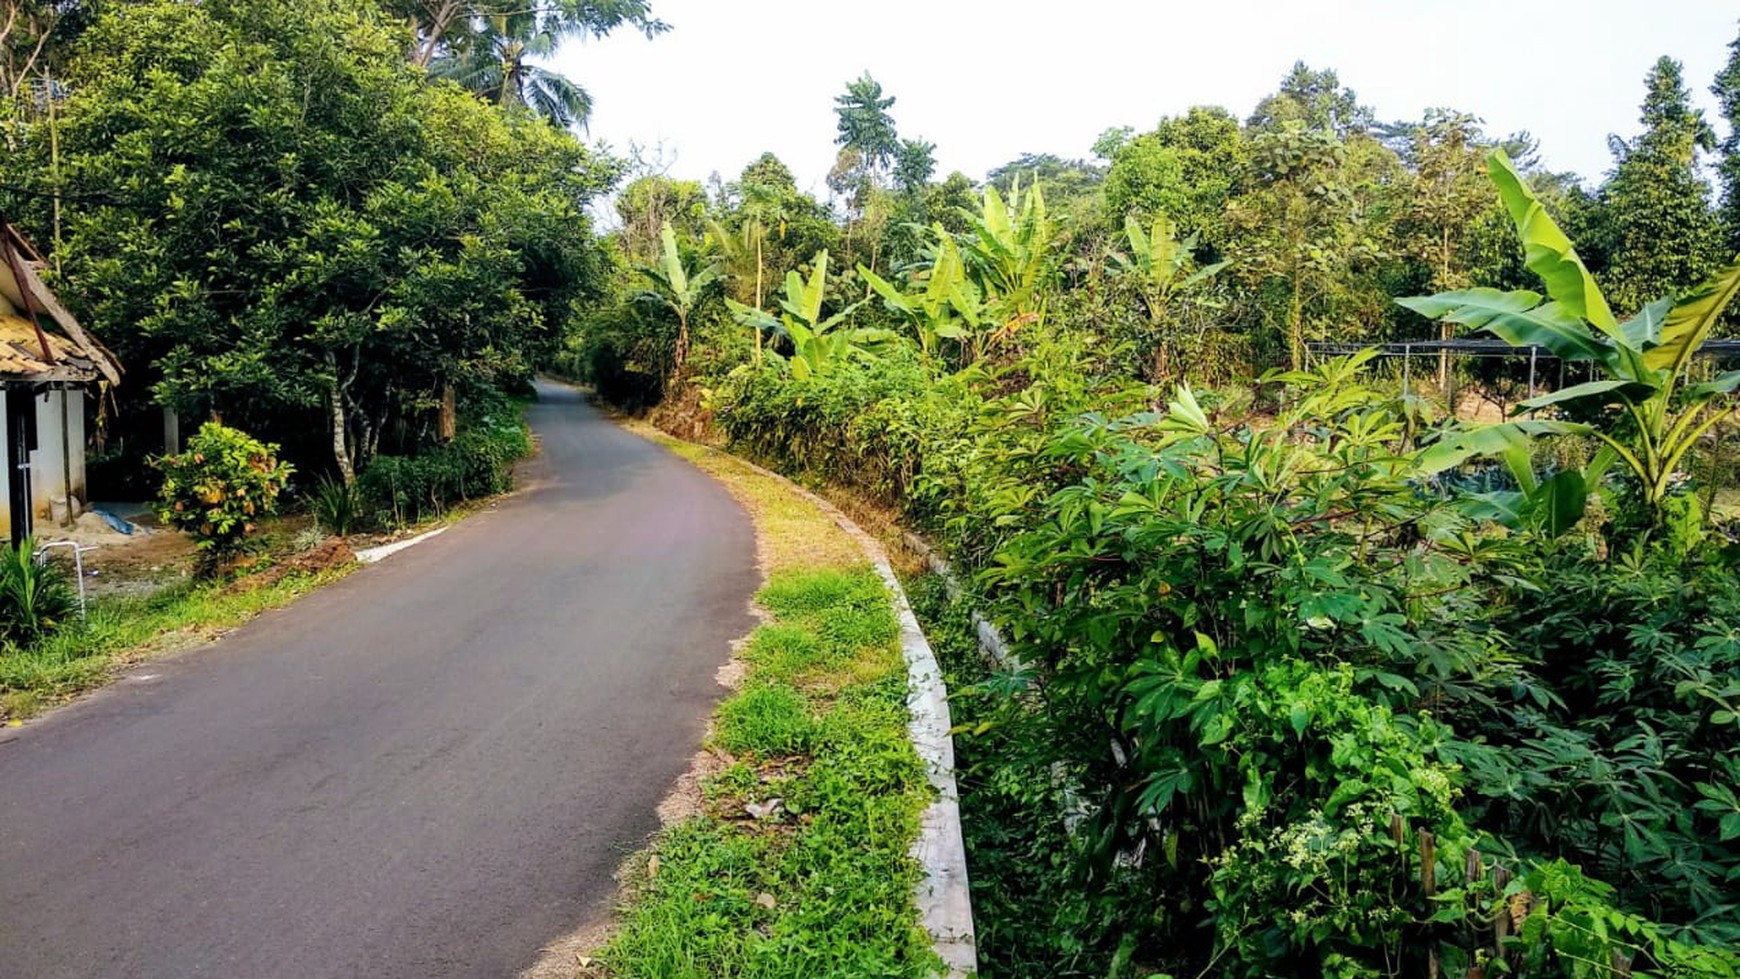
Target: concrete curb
(944, 901)
(369, 555)
(991, 642)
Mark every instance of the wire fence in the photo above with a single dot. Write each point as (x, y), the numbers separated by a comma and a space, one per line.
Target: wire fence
(1485, 380)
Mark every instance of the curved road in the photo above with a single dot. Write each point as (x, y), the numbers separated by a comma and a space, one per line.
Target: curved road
(429, 769)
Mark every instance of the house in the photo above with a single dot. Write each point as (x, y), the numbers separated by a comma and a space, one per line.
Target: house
(48, 366)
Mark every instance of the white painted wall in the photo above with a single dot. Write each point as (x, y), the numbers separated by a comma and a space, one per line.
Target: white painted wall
(47, 474)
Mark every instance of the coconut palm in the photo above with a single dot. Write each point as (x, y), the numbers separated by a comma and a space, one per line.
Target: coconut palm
(498, 63)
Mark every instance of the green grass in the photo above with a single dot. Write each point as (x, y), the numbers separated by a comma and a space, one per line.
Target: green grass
(82, 656)
(824, 886)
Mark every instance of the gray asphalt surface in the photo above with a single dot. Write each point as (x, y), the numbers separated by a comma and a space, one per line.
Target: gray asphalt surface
(429, 769)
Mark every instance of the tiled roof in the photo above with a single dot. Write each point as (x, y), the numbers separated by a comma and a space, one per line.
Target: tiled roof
(60, 350)
(21, 354)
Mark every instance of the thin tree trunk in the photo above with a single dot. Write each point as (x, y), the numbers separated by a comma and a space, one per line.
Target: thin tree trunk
(340, 450)
(335, 410)
(758, 238)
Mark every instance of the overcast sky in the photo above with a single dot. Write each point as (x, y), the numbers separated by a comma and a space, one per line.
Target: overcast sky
(987, 80)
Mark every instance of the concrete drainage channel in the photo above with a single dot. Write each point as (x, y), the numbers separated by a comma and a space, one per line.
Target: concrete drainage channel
(944, 902)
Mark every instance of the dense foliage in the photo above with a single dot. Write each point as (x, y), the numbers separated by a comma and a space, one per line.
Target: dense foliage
(272, 213)
(1314, 674)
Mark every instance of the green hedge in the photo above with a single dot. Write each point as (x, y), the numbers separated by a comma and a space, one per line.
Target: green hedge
(478, 462)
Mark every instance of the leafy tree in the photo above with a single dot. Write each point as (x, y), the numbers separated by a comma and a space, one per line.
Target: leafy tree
(35, 36)
(915, 165)
(949, 202)
(1666, 237)
(1186, 169)
(1110, 141)
(1447, 198)
(274, 216)
(794, 224)
(1727, 92)
(1298, 231)
(1315, 100)
(650, 203)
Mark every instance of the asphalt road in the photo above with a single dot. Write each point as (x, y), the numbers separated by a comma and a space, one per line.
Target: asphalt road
(429, 769)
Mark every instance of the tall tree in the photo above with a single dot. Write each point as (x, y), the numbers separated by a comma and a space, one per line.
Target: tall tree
(441, 26)
(1667, 238)
(1727, 92)
(865, 125)
(1315, 100)
(272, 215)
(1447, 199)
(493, 47)
(499, 63)
(1298, 232)
(915, 165)
(1186, 169)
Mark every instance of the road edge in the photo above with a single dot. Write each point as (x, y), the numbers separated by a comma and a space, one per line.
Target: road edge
(943, 896)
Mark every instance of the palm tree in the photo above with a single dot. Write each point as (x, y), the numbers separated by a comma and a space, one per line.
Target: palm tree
(496, 63)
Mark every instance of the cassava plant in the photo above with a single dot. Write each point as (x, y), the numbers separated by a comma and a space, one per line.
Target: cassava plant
(1644, 409)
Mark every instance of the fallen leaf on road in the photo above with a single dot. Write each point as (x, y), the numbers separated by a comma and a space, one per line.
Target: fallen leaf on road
(652, 865)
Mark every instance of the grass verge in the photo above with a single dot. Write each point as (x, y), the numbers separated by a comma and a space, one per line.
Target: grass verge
(125, 630)
(798, 863)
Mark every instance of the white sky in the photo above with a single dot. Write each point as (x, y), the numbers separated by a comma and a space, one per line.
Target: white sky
(987, 80)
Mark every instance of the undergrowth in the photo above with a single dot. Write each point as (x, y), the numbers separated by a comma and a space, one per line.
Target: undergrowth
(799, 865)
(1033, 918)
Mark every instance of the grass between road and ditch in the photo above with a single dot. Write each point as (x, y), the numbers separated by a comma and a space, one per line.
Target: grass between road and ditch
(797, 861)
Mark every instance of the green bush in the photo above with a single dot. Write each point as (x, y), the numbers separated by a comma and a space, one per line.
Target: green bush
(219, 488)
(36, 597)
(478, 462)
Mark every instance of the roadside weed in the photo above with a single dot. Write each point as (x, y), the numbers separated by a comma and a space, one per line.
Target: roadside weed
(800, 866)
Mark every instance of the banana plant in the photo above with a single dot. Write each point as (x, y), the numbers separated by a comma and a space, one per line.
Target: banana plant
(1158, 265)
(678, 288)
(1010, 254)
(741, 259)
(819, 343)
(945, 308)
(1646, 388)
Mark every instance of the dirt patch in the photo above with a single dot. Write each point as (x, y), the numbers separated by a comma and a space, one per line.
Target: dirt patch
(328, 555)
(123, 564)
